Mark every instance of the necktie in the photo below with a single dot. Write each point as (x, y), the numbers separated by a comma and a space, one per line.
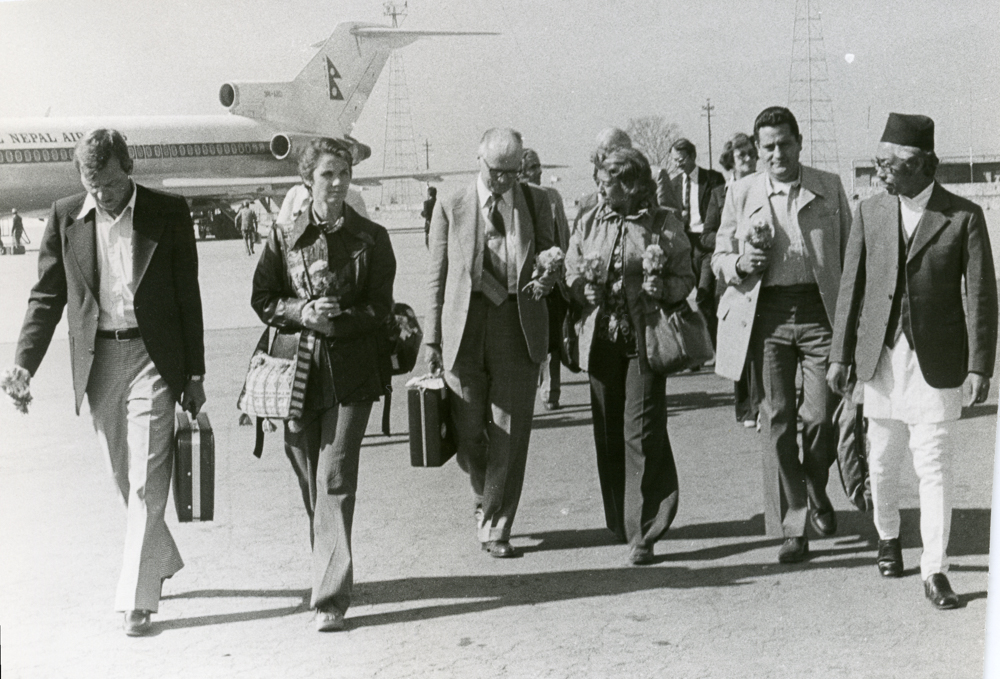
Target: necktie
(494, 280)
(686, 201)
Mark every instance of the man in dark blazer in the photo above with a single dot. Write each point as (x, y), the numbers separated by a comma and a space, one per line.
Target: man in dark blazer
(485, 332)
(914, 338)
(122, 260)
(693, 187)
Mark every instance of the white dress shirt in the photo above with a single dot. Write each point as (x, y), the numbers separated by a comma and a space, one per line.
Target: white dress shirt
(697, 220)
(116, 295)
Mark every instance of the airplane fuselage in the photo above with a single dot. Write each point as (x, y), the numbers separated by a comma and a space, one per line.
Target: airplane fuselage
(170, 153)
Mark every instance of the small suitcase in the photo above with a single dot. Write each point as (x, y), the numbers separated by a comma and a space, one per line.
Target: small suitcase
(194, 469)
(17, 250)
(432, 436)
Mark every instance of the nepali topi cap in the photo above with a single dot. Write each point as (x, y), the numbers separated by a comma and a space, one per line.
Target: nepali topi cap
(908, 129)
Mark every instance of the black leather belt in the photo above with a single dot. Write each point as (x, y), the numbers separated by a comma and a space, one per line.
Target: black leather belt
(120, 335)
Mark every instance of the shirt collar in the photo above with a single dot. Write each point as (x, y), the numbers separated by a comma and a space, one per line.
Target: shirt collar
(777, 187)
(919, 202)
(325, 227)
(90, 203)
(485, 195)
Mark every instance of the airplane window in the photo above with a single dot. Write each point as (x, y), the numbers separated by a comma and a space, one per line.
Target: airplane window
(225, 149)
(156, 151)
(37, 155)
(240, 148)
(149, 151)
(206, 149)
(2, 159)
(140, 152)
(173, 150)
(18, 156)
(45, 155)
(181, 150)
(131, 152)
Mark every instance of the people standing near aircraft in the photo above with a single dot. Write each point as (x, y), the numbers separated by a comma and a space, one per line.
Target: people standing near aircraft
(246, 223)
(693, 187)
(16, 230)
(606, 277)
(330, 271)
(739, 156)
(550, 378)
(779, 250)
(485, 331)
(917, 320)
(122, 258)
(427, 212)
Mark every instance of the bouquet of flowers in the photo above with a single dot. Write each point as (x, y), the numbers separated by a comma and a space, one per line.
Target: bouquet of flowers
(760, 235)
(14, 381)
(653, 260)
(548, 269)
(593, 269)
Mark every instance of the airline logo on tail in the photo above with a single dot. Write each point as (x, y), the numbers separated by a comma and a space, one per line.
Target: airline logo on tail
(331, 75)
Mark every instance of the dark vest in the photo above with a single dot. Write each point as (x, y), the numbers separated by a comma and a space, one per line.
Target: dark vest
(899, 313)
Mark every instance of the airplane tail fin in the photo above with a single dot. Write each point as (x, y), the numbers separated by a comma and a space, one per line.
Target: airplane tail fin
(328, 95)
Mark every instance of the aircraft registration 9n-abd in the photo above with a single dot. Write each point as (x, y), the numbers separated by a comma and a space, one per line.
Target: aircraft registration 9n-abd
(217, 159)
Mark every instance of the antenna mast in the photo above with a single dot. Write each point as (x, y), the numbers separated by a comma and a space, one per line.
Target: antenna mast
(808, 88)
(400, 155)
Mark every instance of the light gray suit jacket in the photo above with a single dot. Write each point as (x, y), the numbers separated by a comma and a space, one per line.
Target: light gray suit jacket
(456, 226)
(825, 221)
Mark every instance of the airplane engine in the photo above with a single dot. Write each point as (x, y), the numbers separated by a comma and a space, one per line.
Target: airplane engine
(288, 145)
(263, 101)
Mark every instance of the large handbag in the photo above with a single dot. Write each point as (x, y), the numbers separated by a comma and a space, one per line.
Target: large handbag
(676, 338)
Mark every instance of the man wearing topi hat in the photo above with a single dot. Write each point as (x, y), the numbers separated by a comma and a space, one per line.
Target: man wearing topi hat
(902, 326)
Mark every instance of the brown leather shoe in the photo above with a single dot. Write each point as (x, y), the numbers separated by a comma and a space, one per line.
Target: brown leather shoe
(823, 522)
(137, 623)
(499, 549)
(794, 550)
(890, 558)
(938, 591)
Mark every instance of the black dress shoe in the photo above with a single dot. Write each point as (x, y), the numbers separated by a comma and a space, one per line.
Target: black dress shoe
(640, 555)
(137, 623)
(794, 550)
(823, 522)
(890, 558)
(499, 549)
(938, 591)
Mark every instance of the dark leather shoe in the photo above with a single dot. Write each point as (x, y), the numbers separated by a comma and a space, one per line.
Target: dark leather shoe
(499, 549)
(640, 555)
(137, 623)
(823, 522)
(890, 558)
(938, 591)
(794, 550)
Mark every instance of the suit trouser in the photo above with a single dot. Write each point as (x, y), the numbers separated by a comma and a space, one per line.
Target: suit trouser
(930, 446)
(635, 462)
(133, 413)
(325, 455)
(792, 330)
(705, 298)
(550, 378)
(495, 381)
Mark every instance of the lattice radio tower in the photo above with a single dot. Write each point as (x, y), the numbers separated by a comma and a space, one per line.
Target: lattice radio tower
(400, 151)
(808, 89)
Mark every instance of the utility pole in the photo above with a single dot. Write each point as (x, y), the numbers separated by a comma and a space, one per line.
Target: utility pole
(708, 108)
(427, 154)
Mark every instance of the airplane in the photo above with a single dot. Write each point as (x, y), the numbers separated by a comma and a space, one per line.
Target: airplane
(216, 160)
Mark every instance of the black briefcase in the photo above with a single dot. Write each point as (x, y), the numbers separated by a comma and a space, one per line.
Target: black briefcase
(432, 436)
(194, 468)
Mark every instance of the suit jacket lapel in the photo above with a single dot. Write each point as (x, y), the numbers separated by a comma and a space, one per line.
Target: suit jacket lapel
(467, 212)
(523, 233)
(757, 206)
(933, 220)
(146, 232)
(81, 234)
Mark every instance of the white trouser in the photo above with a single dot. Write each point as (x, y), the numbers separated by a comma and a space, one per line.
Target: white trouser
(133, 413)
(930, 447)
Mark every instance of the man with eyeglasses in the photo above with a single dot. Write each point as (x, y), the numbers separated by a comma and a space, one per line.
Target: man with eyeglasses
(903, 327)
(485, 332)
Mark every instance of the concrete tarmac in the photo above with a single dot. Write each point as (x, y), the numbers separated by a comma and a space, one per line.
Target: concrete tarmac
(428, 602)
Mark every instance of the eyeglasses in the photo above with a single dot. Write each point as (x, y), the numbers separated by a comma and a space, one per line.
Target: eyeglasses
(887, 165)
(498, 173)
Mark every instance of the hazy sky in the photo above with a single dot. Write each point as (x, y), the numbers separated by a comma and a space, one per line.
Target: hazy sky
(559, 72)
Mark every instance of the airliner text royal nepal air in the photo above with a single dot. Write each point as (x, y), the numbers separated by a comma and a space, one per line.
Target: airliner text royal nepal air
(246, 154)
